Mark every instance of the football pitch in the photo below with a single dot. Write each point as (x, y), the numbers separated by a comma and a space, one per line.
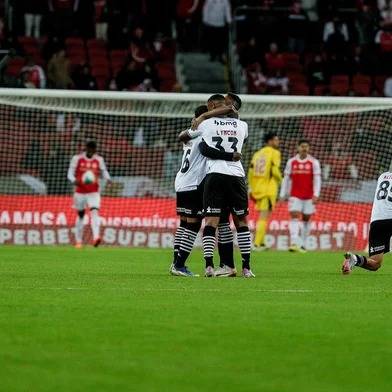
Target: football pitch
(113, 319)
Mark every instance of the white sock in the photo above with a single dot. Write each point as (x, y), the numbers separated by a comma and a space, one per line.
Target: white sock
(79, 229)
(294, 232)
(305, 232)
(95, 223)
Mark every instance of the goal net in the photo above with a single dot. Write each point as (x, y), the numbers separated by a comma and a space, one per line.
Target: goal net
(137, 136)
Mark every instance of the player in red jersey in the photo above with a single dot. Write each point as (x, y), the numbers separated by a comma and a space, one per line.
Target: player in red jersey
(301, 184)
(84, 172)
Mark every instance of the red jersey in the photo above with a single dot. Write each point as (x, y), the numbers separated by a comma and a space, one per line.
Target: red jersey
(80, 164)
(302, 178)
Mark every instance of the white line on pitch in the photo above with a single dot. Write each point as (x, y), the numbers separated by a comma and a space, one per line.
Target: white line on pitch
(183, 289)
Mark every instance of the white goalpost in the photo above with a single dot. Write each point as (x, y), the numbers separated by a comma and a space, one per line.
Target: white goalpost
(40, 130)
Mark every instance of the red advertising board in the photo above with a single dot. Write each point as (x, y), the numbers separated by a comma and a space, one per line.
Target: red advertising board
(151, 222)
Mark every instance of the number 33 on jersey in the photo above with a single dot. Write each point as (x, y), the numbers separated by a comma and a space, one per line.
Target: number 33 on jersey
(225, 134)
(382, 204)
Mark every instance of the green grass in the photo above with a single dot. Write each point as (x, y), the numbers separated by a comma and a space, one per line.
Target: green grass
(114, 320)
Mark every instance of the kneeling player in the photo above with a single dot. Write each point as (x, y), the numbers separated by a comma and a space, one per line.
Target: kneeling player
(380, 232)
(84, 172)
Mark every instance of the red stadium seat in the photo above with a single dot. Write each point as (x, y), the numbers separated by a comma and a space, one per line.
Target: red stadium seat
(166, 71)
(96, 43)
(23, 41)
(117, 66)
(340, 89)
(14, 66)
(379, 82)
(31, 50)
(386, 41)
(97, 52)
(76, 51)
(102, 82)
(99, 62)
(361, 88)
(299, 89)
(103, 72)
(340, 79)
(74, 42)
(119, 55)
(362, 79)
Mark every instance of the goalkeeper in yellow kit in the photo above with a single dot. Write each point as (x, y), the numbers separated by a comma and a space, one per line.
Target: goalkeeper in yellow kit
(264, 177)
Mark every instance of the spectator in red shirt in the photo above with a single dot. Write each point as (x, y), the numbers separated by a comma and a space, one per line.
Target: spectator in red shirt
(257, 81)
(274, 59)
(141, 50)
(33, 75)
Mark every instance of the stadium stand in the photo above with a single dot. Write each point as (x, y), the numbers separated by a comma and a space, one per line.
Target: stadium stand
(284, 46)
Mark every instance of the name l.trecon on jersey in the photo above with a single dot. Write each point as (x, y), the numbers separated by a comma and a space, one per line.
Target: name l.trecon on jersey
(225, 134)
(302, 178)
(193, 167)
(80, 164)
(382, 204)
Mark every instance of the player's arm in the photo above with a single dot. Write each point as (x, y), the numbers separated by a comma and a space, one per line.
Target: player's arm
(72, 170)
(286, 183)
(214, 153)
(221, 111)
(104, 171)
(188, 134)
(251, 172)
(316, 180)
(275, 167)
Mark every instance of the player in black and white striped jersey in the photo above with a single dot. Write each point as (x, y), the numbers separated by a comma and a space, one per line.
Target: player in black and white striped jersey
(189, 190)
(380, 232)
(225, 184)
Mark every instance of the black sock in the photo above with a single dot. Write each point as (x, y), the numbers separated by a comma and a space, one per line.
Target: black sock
(209, 245)
(177, 239)
(187, 241)
(361, 261)
(244, 243)
(225, 245)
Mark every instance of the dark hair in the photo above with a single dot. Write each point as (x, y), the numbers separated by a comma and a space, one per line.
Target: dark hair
(236, 99)
(269, 136)
(200, 110)
(303, 141)
(216, 97)
(91, 144)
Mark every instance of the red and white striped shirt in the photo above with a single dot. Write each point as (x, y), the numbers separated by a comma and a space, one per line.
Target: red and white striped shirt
(81, 164)
(302, 178)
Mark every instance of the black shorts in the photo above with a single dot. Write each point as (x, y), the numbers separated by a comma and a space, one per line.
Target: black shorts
(190, 203)
(380, 234)
(222, 192)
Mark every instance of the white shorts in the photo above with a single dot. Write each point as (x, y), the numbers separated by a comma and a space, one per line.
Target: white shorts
(299, 205)
(84, 200)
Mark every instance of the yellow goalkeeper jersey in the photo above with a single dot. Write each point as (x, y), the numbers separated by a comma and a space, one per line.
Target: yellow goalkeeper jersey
(264, 174)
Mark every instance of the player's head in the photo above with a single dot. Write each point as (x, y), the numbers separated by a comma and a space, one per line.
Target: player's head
(272, 139)
(303, 147)
(200, 110)
(233, 99)
(215, 101)
(91, 148)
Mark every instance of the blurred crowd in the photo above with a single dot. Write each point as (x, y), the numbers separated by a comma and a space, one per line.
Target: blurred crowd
(334, 47)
